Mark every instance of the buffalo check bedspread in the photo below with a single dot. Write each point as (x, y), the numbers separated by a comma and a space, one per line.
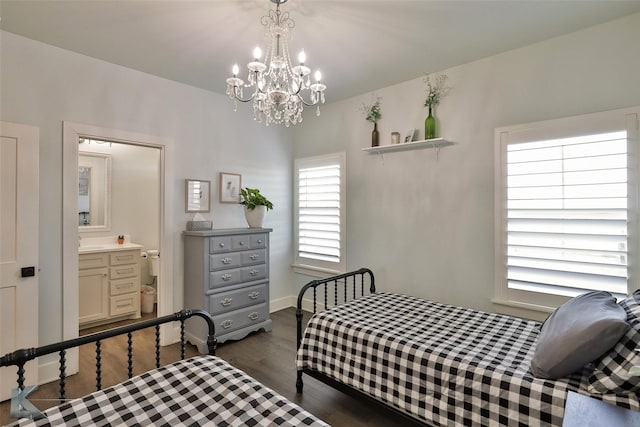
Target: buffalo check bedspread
(202, 391)
(441, 364)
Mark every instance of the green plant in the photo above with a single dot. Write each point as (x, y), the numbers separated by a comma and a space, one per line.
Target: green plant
(435, 91)
(372, 111)
(251, 198)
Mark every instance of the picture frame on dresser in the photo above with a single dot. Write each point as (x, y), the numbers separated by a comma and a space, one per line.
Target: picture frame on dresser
(197, 195)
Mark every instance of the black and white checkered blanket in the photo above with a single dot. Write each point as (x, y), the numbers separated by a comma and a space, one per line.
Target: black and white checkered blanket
(195, 392)
(441, 364)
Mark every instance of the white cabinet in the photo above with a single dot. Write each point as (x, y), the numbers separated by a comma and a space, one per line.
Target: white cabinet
(109, 286)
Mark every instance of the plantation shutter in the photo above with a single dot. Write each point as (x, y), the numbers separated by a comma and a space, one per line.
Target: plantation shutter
(319, 212)
(567, 214)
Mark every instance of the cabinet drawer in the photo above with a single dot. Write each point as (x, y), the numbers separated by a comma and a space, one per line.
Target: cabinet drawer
(219, 244)
(224, 278)
(254, 257)
(255, 272)
(93, 260)
(239, 243)
(123, 286)
(124, 304)
(257, 241)
(228, 260)
(124, 257)
(232, 300)
(123, 271)
(234, 320)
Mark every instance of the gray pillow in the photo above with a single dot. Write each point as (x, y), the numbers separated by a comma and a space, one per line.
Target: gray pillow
(578, 332)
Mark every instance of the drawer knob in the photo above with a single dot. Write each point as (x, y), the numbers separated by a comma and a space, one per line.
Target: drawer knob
(254, 315)
(254, 272)
(226, 277)
(241, 243)
(221, 245)
(226, 302)
(254, 295)
(227, 324)
(227, 260)
(253, 257)
(260, 241)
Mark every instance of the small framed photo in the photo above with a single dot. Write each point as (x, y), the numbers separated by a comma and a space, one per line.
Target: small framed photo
(197, 195)
(409, 135)
(230, 184)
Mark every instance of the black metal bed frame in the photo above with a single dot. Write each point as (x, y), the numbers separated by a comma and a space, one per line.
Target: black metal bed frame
(345, 279)
(350, 278)
(20, 357)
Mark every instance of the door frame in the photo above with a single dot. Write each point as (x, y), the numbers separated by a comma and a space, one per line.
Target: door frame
(72, 132)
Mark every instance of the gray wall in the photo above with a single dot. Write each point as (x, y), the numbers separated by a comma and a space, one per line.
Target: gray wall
(425, 225)
(43, 86)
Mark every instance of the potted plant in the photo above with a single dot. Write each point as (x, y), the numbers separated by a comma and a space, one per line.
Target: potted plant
(373, 113)
(256, 206)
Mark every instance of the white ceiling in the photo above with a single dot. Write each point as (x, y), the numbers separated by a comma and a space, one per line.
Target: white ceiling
(359, 45)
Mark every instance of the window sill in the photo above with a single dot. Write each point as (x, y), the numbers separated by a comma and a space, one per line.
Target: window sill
(310, 270)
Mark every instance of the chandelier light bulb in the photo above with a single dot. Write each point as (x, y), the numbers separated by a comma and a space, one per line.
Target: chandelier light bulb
(257, 53)
(302, 57)
(318, 76)
(235, 70)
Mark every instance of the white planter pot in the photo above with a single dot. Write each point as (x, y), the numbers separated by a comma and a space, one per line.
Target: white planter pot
(255, 217)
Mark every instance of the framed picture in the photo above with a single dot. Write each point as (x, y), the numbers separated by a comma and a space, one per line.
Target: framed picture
(197, 195)
(230, 184)
(409, 135)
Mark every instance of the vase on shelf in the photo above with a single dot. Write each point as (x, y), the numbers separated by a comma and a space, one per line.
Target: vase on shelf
(375, 136)
(430, 126)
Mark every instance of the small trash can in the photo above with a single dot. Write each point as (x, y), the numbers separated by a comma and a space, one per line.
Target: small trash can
(147, 298)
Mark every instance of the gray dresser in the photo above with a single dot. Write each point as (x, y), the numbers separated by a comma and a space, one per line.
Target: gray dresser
(226, 272)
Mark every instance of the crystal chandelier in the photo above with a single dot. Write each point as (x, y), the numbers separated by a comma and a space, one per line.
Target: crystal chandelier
(280, 88)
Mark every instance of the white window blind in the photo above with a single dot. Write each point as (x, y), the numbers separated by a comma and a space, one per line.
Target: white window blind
(567, 214)
(319, 227)
(319, 213)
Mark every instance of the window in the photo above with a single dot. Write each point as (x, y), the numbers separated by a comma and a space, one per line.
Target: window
(319, 218)
(565, 208)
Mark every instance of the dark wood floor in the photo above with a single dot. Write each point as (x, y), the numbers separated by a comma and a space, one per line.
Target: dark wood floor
(269, 357)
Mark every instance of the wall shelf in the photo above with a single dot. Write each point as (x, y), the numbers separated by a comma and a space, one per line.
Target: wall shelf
(436, 143)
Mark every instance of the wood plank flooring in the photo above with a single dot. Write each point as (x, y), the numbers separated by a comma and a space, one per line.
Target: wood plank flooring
(269, 357)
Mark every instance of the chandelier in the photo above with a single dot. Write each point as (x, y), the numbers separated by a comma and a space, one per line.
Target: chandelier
(279, 88)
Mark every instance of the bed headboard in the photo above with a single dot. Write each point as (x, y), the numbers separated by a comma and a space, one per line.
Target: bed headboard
(347, 282)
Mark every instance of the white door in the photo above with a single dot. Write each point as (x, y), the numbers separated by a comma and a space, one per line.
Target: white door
(18, 247)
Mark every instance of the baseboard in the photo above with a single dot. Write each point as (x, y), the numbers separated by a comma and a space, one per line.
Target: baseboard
(282, 303)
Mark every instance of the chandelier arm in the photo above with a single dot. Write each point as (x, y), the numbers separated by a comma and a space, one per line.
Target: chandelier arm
(237, 96)
(312, 104)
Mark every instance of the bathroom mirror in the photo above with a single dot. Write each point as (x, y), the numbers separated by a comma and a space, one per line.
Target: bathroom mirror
(94, 191)
(197, 195)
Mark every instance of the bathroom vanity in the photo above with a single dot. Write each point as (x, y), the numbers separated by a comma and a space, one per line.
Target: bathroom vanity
(226, 272)
(109, 283)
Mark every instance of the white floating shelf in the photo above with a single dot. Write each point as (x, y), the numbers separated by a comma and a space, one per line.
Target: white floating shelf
(413, 145)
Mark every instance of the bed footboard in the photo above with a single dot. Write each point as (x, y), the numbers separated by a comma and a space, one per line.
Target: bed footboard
(352, 285)
(20, 357)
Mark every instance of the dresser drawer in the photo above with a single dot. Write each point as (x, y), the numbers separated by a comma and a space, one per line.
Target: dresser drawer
(240, 243)
(124, 271)
(254, 257)
(258, 241)
(228, 260)
(219, 244)
(123, 286)
(218, 279)
(255, 272)
(124, 304)
(93, 260)
(124, 257)
(232, 300)
(234, 320)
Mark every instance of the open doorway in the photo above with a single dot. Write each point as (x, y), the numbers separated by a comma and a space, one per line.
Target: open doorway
(118, 232)
(72, 133)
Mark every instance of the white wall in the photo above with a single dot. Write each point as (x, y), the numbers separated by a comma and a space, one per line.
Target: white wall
(425, 225)
(43, 86)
